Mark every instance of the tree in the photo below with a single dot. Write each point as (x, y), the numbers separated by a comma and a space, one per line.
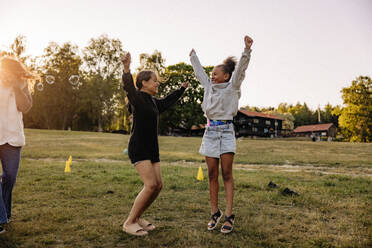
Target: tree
(102, 94)
(329, 115)
(154, 62)
(302, 115)
(283, 108)
(356, 117)
(252, 108)
(187, 111)
(18, 47)
(55, 106)
(288, 119)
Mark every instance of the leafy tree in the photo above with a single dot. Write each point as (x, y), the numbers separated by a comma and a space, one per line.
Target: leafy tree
(154, 62)
(356, 117)
(102, 95)
(336, 111)
(55, 106)
(18, 47)
(283, 108)
(288, 119)
(302, 115)
(187, 111)
(267, 109)
(329, 115)
(252, 108)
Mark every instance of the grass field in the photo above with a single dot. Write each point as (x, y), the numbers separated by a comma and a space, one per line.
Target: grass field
(86, 208)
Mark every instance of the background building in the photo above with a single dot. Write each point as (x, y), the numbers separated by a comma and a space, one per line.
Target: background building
(326, 130)
(250, 123)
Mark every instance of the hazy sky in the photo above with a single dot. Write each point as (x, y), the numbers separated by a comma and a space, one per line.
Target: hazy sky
(304, 51)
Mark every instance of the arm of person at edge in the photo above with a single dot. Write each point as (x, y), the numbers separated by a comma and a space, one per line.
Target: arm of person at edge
(23, 97)
(127, 78)
(239, 74)
(164, 103)
(199, 71)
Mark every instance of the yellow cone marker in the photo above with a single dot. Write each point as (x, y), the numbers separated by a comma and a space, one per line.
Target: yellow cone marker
(68, 163)
(200, 176)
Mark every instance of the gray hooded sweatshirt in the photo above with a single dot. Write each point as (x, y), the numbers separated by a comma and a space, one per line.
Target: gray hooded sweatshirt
(221, 100)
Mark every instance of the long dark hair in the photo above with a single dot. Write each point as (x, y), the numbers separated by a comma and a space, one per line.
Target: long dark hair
(143, 76)
(228, 66)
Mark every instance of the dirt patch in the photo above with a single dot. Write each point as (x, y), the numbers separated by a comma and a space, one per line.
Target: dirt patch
(355, 172)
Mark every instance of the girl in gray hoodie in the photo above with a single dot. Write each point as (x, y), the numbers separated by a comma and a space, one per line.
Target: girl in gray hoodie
(220, 105)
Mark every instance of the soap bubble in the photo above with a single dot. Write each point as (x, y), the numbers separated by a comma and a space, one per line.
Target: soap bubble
(49, 79)
(40, 86)
(74, 80)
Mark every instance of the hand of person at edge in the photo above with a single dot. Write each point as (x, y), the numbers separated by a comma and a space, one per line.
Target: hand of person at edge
(248, 41)
(126, 59)
(192, 51)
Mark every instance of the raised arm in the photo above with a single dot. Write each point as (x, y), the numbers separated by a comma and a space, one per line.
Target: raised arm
(127, 79)
(198, 69)
(164, 103)
(239, 74)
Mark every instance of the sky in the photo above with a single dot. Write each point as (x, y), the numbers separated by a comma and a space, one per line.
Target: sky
(303, 51)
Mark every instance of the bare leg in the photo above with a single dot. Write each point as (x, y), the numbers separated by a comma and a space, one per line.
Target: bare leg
(226, 165)
(212, 164)
(159, 185)
(146, 170)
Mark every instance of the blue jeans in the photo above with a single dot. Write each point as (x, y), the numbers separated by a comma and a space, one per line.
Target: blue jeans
(10, 157)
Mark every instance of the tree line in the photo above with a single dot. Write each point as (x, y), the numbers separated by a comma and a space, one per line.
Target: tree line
(97, 101)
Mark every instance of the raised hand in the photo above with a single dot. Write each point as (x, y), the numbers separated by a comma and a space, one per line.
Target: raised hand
(185, 84)
(192, 51)
(248, 41)
(126, 59)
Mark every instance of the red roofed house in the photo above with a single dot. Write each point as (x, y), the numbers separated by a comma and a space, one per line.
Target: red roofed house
(327, 130)
(250, 123)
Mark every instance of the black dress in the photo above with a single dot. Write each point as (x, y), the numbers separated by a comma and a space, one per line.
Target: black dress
(143, 143)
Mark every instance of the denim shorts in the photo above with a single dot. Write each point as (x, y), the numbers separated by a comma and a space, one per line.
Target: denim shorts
(218, 140)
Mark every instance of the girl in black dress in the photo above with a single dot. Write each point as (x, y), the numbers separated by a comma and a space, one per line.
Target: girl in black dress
(143, 147)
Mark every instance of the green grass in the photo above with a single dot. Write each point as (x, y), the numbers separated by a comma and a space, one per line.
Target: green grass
(87, 145)
(86, 208)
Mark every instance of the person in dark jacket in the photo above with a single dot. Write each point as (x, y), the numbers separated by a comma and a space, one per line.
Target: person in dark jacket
(143, 149)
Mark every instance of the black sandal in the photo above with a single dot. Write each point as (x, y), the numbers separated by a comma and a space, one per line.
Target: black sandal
(216, 218)
(228, 229)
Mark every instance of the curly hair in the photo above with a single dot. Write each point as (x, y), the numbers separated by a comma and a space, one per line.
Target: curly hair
(228, 66)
